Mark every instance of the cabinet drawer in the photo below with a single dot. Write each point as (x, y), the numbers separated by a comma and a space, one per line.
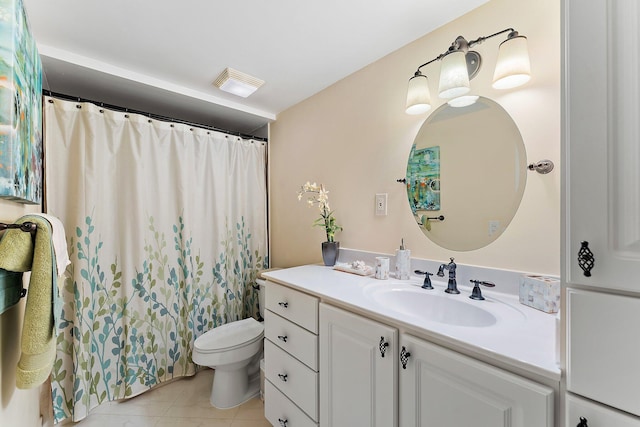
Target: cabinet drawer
(293, 305)
(292, 377)
(300, 343)
(279, 410)
(603, 351)
(596, 415)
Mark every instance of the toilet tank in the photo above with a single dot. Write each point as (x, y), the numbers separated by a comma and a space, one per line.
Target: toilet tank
(261, 282)
(261, 291)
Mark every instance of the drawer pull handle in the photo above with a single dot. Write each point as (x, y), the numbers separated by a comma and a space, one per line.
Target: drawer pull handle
(583, 422)
(283, 377)
(404, 357)
(383, 346)
(283, 423)
(282, 338)
(283, 304)
(586, 260)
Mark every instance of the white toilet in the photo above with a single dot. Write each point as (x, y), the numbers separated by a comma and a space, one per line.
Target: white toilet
(234, 351)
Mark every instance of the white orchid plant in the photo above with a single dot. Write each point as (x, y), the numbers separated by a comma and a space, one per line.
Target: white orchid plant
(316, 194)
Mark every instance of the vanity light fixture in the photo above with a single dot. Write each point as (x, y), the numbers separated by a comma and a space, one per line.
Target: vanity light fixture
(460, 65)
(237, 82)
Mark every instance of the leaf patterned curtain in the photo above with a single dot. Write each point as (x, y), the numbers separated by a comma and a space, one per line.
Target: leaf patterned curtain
(166, 228)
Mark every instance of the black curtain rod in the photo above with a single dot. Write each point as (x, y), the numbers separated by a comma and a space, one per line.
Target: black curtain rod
(150, 115)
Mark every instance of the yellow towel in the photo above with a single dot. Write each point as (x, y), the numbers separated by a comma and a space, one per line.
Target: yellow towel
(19, 253)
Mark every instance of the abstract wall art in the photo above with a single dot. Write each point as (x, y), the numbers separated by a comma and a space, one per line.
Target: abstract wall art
(21, 157)
(423, 179)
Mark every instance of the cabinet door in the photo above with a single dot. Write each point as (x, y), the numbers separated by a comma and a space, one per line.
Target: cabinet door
(439, 387)
(596, 415)
(602, 351)
(358, 382)
(602, 130)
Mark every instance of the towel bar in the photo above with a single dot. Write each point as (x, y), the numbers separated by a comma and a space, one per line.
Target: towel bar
(26, 226)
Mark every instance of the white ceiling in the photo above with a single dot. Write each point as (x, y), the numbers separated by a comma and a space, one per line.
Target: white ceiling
(162, 56)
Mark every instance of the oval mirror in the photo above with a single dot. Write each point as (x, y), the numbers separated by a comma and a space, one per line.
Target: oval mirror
(466, 174)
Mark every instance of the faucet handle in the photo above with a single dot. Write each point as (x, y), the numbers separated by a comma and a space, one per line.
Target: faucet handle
(483, 283)
(476, 293)
(427, 279)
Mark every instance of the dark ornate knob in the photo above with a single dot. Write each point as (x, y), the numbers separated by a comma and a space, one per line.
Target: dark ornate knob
(283, 304)
(282, 338)
(404, 357)
(283, 377)
(583, 422)
(586, 259)
(383, 346)
(283, 423)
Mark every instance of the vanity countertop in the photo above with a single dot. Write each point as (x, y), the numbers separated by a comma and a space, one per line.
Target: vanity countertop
(529, 343)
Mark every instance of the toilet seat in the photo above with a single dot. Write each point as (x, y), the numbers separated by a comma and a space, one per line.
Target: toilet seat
(230, 336)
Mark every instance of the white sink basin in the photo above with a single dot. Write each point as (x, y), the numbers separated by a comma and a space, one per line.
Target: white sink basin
(436, 306)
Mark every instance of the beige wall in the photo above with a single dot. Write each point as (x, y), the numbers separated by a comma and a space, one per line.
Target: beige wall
(355, 138)
(17, 407)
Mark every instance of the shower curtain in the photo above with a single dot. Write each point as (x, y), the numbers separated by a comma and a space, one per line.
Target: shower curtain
(166, 229)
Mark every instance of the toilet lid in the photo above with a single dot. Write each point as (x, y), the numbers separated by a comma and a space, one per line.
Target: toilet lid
(230, 335)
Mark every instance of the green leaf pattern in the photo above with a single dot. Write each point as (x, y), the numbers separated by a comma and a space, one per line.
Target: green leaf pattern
(121, 334)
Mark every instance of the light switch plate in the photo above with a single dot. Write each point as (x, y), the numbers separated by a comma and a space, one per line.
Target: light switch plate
(381, 204)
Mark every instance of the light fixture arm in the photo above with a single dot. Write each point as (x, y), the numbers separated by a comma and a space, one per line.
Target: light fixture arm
(512, 33)
(460, 43)
(437, 58)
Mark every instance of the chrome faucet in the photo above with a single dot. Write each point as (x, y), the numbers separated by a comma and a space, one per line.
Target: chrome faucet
(452, 286)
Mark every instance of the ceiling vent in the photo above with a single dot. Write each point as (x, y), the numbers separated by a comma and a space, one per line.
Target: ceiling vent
(237, 82)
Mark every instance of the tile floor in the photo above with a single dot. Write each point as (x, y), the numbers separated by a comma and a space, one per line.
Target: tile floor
(182, 403)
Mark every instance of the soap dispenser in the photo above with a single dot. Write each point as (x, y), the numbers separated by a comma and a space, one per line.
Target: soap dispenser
(403, 262)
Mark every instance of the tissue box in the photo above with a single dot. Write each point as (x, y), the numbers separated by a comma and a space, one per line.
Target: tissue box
(540, 292)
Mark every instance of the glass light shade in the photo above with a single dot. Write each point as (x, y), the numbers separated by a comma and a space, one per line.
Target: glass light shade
(463, 101)
(418, 96)
(454, 77)
(513, 68)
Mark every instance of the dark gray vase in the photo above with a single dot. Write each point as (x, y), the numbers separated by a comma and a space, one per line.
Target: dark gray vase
(330, 253)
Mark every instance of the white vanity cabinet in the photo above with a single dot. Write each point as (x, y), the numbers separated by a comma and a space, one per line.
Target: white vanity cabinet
(291, 357)
(358, 368)
(434, 386)
(341, 365)
(439, 387)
